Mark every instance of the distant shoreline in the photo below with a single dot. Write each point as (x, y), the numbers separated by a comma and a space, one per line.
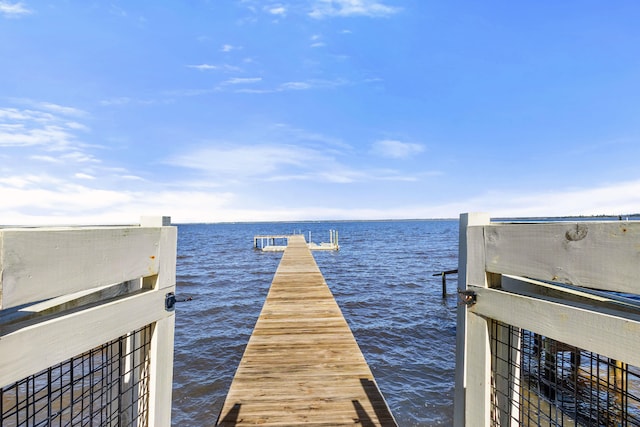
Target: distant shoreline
(635, 216)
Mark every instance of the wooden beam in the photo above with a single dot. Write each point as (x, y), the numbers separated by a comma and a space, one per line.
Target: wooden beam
(598, 255)
(37, 347)
(600, 333)
(38, 264)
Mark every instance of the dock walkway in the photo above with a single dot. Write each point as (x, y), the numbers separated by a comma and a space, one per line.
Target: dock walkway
(278, 242)
(302, 364)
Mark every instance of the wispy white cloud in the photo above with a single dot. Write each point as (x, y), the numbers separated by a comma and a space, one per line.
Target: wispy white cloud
(276, 9)
(210, 67)
(41, 144)
(283, 131)
(244, 85)
(117, 11)
(15, 114)
(46, 159)
(79, 157)
(190, 92)
(50, 194)
(229, 48)
(614, 198)
(51, 137)
(307, 156)
(125, 100)
(395, 149)
(242, 80)
(305, 85)
(611, 199)
(132, 177)
(73, 156)
(283, 87)
(246, 161)
(344, 8)
(62, 109)
(46, 199)
(13, 10)
(77, 126)
(29, 199)
(316, 41)
(122, 100)
(19, 181)
(50, 130)
(295, 86)
(203, 67)
(81, 175)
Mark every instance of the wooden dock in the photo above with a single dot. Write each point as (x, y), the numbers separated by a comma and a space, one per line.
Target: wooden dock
(302, 365)
(278, 242)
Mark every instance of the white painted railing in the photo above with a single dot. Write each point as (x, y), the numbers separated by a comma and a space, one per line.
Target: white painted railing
(67, 290)
(515, 274)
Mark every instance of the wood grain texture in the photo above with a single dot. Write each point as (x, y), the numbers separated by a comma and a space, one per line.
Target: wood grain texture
(37, 347)
(599, 255)
(302, 365)
(611, 336)
(42, 263)
(470, 270)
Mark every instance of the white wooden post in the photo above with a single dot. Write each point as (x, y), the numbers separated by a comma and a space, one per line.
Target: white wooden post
(473, 368)
(161, 354)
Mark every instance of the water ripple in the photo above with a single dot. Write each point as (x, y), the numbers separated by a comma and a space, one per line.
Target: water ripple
(381, 279)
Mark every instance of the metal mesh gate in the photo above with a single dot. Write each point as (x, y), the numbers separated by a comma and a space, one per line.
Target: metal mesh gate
(537, 381)
(106, 386)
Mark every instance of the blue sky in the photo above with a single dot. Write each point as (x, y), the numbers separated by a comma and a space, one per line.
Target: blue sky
(247, 110)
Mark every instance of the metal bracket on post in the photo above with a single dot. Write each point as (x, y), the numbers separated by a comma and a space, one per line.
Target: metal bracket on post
(170, 301)
(467, 298)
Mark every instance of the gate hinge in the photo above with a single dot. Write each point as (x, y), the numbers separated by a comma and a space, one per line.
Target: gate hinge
(170, 301)
(467, 298)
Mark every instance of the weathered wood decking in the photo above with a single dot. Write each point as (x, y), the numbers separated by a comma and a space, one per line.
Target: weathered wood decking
(302, 364)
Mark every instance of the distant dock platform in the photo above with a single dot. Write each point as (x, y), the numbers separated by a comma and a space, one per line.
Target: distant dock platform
(279, 242)
(302, 364)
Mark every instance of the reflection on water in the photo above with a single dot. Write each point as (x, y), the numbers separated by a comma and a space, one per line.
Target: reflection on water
(382, 280)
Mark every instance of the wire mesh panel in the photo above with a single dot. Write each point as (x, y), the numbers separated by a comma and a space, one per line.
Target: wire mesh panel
(106, 386)
(537, 381)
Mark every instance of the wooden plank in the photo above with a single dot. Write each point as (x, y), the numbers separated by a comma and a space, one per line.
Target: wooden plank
(598, 255)
(600, 333)
(161, 372)
(478, 373)
(21, 351)
(167, 256)
(302, 364)
(43, 263)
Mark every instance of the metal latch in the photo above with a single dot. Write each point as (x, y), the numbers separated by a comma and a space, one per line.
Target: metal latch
(170, 301)
(467, 298)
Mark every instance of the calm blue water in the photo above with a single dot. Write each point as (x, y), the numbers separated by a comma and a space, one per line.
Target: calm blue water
(381, 279)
